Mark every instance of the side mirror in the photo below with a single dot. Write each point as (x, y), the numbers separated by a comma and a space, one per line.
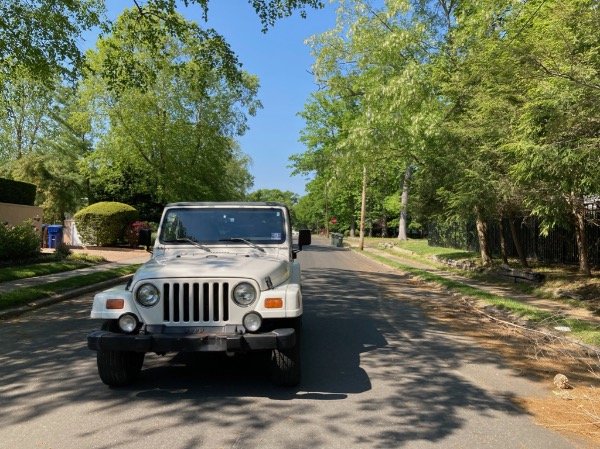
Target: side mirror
(145, 237)
(304, 238)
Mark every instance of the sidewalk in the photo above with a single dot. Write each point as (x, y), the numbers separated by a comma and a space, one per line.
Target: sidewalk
(38, 280)
(549, 305)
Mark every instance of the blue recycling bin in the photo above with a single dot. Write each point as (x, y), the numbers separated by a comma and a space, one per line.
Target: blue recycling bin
(55, 235)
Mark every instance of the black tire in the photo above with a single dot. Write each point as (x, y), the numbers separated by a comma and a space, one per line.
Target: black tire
(118, 368)
(286, 369)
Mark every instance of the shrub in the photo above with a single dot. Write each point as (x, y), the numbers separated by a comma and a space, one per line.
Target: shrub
(17, 192)
(18, 242)
(132, 232)
(104, 223)
(63, 251)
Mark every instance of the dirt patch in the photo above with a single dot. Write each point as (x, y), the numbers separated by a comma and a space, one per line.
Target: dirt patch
(113, 254)
(540, 354)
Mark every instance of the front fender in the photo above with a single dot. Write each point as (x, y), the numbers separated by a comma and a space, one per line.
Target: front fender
(99, 307)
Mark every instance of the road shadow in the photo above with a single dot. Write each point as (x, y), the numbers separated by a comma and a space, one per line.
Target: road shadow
(366, 347)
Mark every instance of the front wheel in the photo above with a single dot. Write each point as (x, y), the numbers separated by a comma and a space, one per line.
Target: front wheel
(285, 363)
(118, 368)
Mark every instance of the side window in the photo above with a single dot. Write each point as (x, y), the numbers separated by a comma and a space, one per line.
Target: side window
(170, 226)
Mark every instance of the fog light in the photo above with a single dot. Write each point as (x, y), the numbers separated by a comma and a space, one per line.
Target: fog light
(128, 323)
(252, 321)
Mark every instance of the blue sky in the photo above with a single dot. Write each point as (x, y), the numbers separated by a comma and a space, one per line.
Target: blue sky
(282, 63)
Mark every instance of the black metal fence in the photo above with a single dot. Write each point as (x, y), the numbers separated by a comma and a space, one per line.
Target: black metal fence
(559, 245)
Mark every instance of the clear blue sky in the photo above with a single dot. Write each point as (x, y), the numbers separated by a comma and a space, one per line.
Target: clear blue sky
(282, 63)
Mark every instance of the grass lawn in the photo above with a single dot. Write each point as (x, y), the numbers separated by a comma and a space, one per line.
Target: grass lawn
(14, 273)
(24, 296)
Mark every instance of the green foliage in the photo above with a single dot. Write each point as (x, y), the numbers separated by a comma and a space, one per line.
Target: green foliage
(16, 192)
(453, 233)
(86, 258)
(167, 137)
(290, 199)
(18, 242)
(494, 104)
(44, 37)
(62, 251)
(104, 223)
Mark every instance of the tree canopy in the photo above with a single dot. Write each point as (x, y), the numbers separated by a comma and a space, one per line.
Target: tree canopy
(485, 109)
(43, 36)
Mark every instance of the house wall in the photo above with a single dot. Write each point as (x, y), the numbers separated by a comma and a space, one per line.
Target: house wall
(16, 214)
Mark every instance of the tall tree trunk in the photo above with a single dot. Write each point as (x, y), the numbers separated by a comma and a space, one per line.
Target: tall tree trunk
(326, 211)
(402, 227)
(517, 240)
(578, 209)
(361, 243)
(384, 226)
(352, 222)
(502, 241)
(482, 235)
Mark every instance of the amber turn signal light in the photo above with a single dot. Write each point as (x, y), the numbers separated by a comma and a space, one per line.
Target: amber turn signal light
(115, 303)
(273, 303)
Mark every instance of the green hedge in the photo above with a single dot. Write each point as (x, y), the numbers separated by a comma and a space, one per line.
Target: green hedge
(104, 223)
(17, 192)
(18, 242)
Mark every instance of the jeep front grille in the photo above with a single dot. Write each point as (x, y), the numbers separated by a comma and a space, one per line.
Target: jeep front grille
(195, 302)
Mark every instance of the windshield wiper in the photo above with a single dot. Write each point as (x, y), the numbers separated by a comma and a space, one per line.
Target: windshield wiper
(185, 239)
(247, 242)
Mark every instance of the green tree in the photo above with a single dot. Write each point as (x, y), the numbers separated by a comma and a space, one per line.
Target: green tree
(558, 133)
(46, 138)
(43, 36)
(26, 108)
(177, 124)
(374, 67)
(290, 199)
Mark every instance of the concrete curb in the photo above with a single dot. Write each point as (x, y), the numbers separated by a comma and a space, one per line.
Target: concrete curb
(44, 302)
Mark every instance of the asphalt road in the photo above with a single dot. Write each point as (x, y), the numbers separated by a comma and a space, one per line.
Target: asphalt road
(377, 374)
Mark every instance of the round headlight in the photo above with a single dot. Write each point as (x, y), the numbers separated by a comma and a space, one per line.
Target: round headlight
(252, 321)
(147, 295)
(128, 323)
(244, 294)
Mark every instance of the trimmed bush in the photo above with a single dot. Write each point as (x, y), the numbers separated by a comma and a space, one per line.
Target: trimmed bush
(18, 242)
(17, 192)
(104, 223)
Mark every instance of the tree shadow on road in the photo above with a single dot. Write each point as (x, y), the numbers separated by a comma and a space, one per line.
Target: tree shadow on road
(366, 345)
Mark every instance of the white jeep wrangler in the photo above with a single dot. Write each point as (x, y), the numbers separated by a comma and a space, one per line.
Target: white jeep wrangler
(222, 278)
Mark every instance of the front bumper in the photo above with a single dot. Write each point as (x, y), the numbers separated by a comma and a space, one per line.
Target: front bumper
(162, 343)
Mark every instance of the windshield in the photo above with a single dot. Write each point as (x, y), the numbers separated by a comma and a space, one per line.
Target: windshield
(211, 225)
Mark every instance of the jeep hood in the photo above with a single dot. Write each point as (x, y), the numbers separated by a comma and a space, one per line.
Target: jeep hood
(219, 266)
